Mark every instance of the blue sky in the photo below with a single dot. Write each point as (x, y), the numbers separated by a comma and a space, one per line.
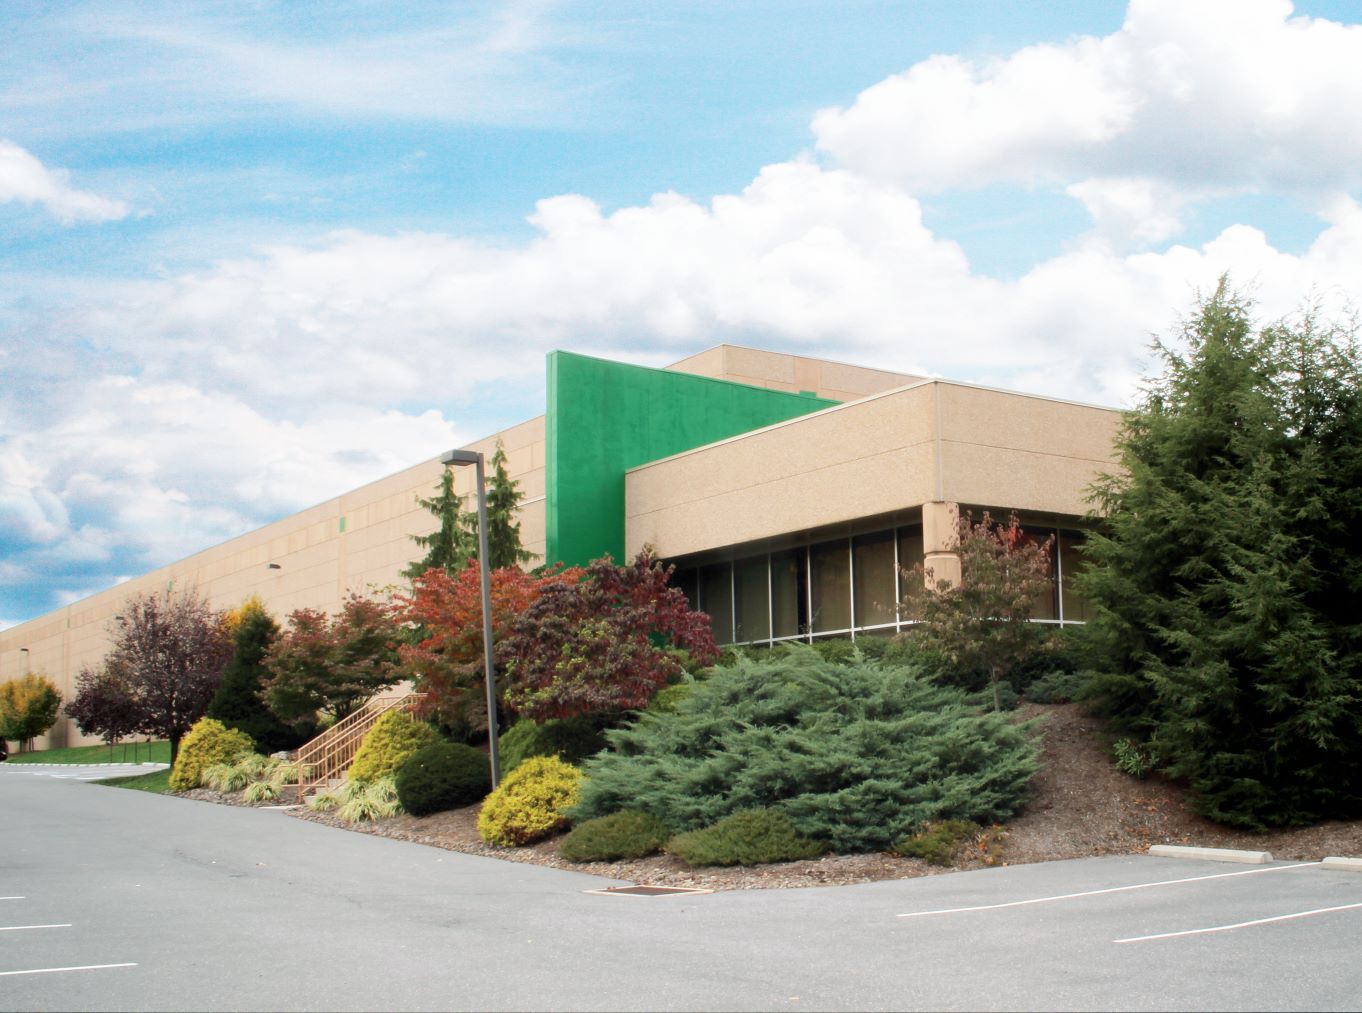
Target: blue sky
(255, 254)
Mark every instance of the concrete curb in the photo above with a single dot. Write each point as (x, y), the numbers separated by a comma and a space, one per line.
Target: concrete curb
(1342, 864)
(1211, 854)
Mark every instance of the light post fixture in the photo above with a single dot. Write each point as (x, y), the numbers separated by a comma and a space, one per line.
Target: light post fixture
(462, 457)
(24, 652)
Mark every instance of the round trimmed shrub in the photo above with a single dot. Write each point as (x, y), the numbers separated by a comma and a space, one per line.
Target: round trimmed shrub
(748, 837)
(393, 738)
(206, 744)
(572, 740)
(443, 775)
(531, 803)
(625, 834)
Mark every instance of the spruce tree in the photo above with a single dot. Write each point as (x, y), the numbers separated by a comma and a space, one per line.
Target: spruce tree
(503, 530)
(451, 545)
(1225, 622)
(238, 702)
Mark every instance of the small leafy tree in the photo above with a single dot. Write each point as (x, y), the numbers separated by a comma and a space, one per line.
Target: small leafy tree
(239, 701)
(172, 650)
(446, 664)
(28, 708)
(600, 644)
(332, 663)
(104, 704)
(984, 622)
(449, 546)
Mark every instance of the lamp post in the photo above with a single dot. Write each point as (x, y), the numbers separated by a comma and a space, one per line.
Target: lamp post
(24, 652)
(462, 457)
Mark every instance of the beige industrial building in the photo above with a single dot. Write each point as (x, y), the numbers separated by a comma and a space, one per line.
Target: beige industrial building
(791, 529)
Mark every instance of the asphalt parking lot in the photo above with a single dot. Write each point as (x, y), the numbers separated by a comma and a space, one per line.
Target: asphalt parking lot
(123, 900)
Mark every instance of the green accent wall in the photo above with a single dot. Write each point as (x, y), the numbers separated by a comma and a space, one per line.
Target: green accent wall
(606, 417)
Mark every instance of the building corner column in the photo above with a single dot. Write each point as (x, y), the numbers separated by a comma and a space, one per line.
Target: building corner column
(941, 543)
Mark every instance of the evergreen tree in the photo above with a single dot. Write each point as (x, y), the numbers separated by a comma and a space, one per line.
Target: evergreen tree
(1226, 619)
(238, 702)
(450, 546)
(503, 530)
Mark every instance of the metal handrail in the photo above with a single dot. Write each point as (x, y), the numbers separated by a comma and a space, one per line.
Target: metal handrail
(331, 753)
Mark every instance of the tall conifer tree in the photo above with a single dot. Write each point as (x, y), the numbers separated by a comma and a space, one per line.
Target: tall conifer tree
(1226, 617)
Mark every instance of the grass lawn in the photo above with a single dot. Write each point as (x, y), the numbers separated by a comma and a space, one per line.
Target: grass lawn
(124, 752)
(158, 781)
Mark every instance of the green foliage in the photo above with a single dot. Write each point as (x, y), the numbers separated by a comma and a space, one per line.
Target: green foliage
(570, 739)
(939, 843)
(388, 744)
(857, 755)
(837, 650)
(207, 743)
(748, 837)
(325, 801)
(28, 707)
(238, 702)
(370, 801)
(443, 775)
(450, 546)
(1057, 687)
(503, 530)
(1224, 576)
(983, 623)
(667, 699)
(531, 802)
(873, 648)
(1132, 758)
(611, 838)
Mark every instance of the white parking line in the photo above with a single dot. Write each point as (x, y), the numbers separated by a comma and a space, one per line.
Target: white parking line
(1239, 925)
(55, 970)
(11, 898)
(1095, 893)
(21, 928)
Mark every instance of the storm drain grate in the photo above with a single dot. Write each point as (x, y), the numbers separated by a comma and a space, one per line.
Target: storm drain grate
(648, 891)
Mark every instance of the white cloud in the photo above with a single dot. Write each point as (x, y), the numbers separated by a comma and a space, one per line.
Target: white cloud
(25, 179)
(1214, 96)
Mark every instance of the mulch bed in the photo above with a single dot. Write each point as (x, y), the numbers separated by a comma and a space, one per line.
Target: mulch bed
(1081, 806)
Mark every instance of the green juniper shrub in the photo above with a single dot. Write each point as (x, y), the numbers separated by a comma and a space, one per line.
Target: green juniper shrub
(569, 739)
(1057, 687)
(837, 650)
(748, 837)
(626, 834)
(443, 775)
(873, 648)
(939, 843)
(856, 755)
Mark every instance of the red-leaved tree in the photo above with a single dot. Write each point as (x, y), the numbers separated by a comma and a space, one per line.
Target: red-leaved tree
(171, 650)
(332, 663)
(601, 644)
(446, 664)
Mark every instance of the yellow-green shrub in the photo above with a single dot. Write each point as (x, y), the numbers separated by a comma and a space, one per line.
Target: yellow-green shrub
(531, 802)
(209, 742)
(393, 738)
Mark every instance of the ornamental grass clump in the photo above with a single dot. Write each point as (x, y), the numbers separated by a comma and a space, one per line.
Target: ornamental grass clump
(260, 791)
(620, 835)
(225, 777)
(393, 738)
(750, 837)
(208, 743)
(857, 754)
(531, 803)
(370, 801)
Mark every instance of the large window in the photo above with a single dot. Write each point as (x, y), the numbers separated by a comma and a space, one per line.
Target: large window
(845, 585)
